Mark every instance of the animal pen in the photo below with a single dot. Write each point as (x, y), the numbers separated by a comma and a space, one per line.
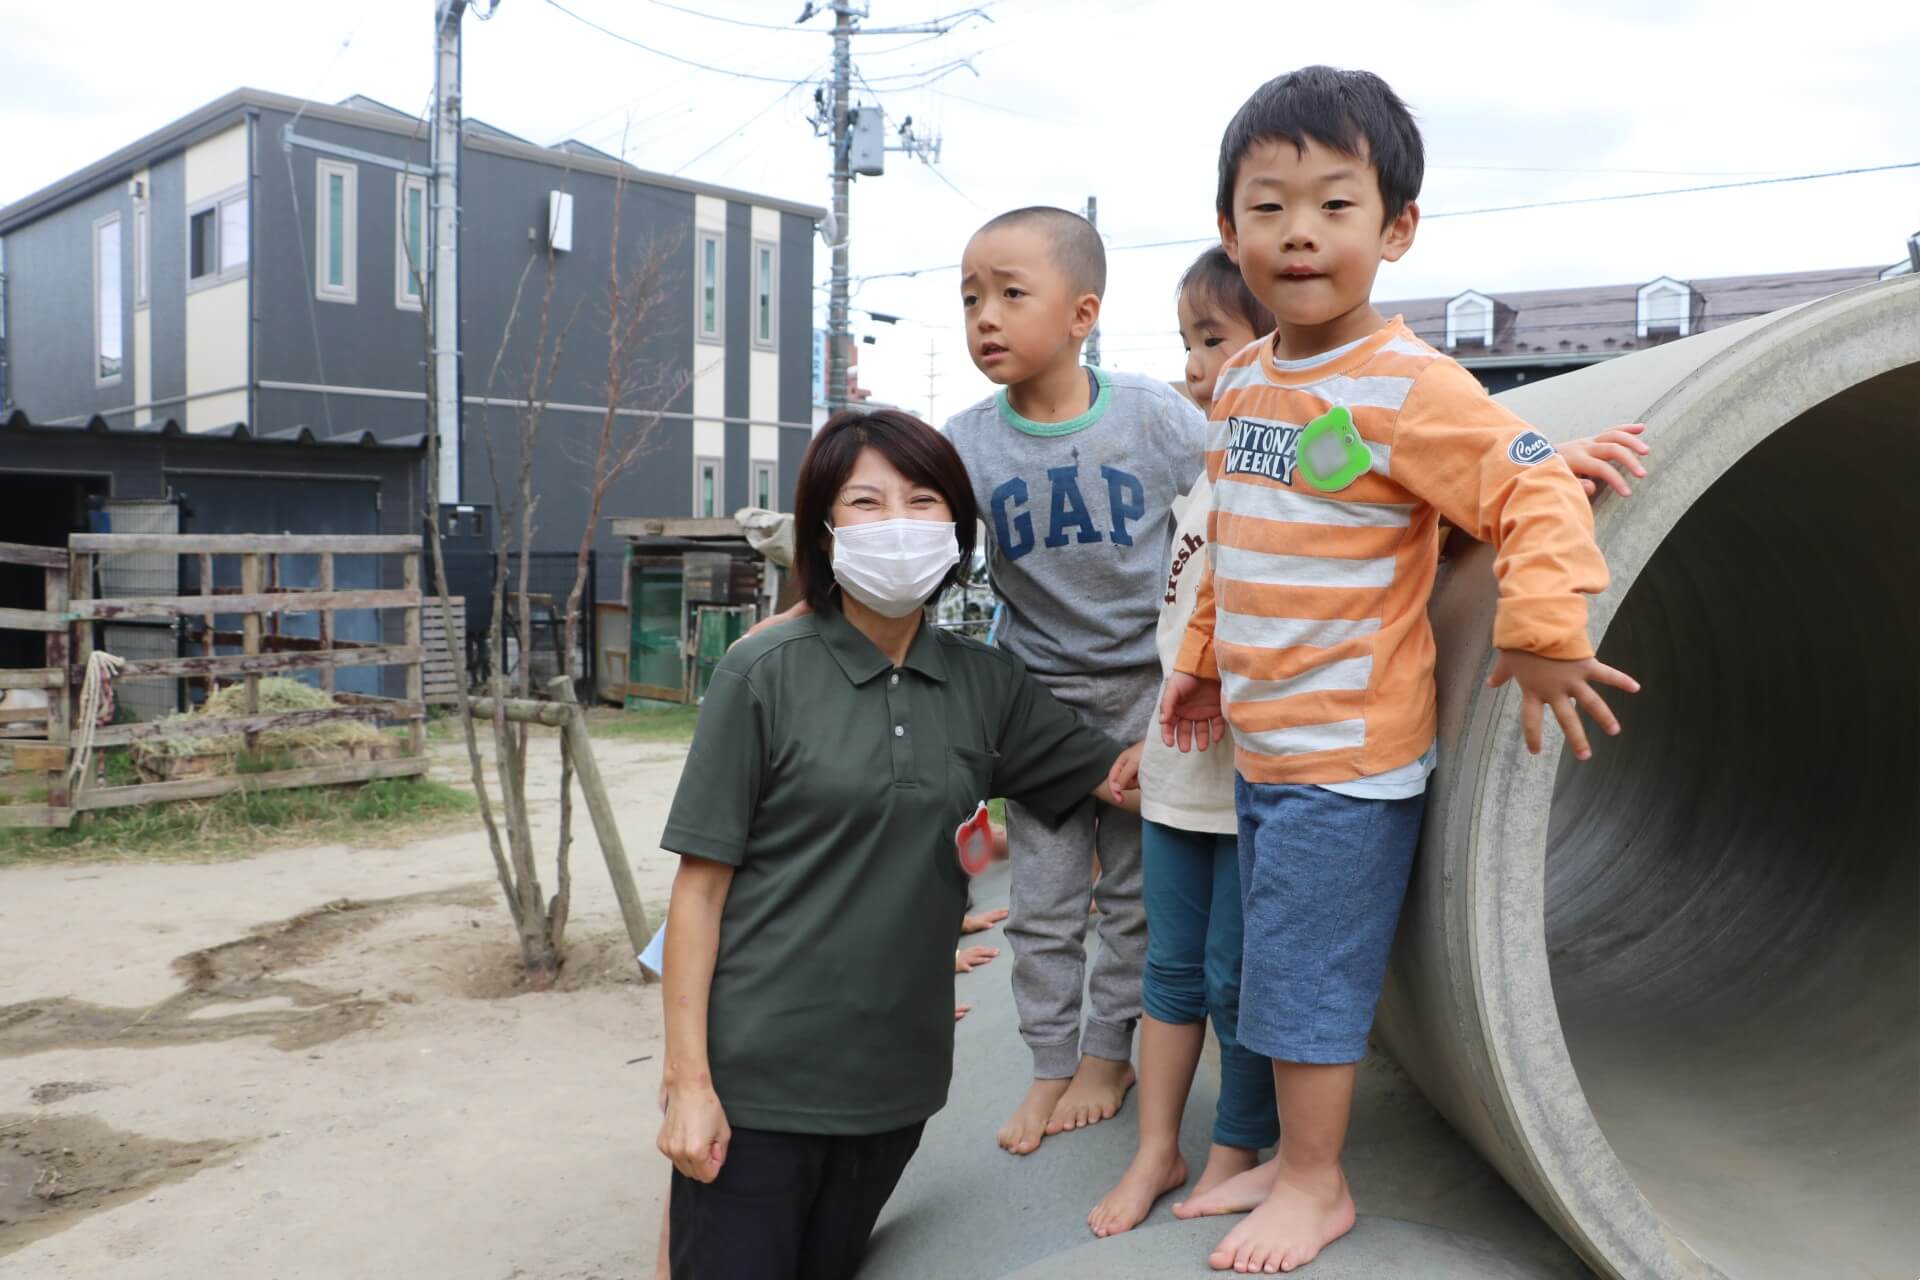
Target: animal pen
(230, 637)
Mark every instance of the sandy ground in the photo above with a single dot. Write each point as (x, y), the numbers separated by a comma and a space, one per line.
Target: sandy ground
(316, 1063)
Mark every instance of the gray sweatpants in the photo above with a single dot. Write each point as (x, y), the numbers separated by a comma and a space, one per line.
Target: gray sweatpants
(1053, 884)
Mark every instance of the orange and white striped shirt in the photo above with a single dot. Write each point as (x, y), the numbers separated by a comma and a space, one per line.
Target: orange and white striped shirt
(1329, 479)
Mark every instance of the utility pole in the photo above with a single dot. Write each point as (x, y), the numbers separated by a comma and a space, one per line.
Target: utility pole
(838, 335)
(443, 269)
(838, 118)
(1093, 339)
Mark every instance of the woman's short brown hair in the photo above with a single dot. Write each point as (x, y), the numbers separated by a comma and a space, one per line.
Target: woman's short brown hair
(915, 449)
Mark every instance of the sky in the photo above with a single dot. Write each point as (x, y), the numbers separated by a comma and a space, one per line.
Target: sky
(1125, 101)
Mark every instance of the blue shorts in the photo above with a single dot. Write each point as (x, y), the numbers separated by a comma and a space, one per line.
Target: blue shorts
(1322, 880)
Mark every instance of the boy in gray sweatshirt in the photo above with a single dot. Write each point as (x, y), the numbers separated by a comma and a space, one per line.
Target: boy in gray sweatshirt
(1075, 471)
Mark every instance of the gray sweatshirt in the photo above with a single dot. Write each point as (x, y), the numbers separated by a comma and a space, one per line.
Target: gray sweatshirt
(1079, 516)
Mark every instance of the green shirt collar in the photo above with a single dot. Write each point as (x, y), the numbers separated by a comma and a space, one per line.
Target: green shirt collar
(1028, 426)
(862, 660)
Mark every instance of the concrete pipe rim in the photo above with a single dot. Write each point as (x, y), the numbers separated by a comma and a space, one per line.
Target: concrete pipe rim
(1621, 1232)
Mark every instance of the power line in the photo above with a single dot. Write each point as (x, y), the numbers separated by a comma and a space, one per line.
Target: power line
(662, 53)
(929, 74)
(1548, 168)
(1467, 213)
(746, 124)
(790, 28)
(1678, 191)
(988, 106)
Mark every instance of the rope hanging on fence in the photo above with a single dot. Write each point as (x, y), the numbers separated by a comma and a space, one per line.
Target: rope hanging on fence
(96, 704)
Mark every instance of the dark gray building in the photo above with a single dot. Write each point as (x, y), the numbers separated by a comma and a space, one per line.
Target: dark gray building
(250, 262)
(1510, 338)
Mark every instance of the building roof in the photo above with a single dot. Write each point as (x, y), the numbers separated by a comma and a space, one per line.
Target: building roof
(239, 431)
(1583, 325)
(359, 111)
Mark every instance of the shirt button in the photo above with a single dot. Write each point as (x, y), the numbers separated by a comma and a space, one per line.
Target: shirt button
(896, 678)
(899, 731)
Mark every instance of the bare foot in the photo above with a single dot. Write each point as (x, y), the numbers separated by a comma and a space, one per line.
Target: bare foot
(1306, 1212)
(1240, 1193)
(1223, 1163)
(1022, 1134)
(1150, 1176)
(1095, 1094)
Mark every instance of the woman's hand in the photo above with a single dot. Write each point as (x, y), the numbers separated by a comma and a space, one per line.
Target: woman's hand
(1598, 459)
(695, 1134)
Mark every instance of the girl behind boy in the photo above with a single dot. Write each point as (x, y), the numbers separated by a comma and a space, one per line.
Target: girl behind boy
(1190, 847)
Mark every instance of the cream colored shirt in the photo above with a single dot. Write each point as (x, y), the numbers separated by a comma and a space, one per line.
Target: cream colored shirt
(1191, 790)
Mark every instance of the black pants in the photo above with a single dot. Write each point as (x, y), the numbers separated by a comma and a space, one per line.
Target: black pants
(786, 1206)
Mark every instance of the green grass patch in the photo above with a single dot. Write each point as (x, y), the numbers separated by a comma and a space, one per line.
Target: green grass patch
(243, 823)
(644, 724)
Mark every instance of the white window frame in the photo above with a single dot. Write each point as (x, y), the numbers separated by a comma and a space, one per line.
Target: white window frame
(216, 205)
(100, 328)
(1669, 286)
(702, 467)
(718, 239)
(348, 288)
(763, 474)
(142, 254)
(770, 285)
(403, 297)
(1462, 326)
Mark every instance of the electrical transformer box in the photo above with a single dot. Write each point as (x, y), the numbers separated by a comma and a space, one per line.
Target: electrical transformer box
(867, 142)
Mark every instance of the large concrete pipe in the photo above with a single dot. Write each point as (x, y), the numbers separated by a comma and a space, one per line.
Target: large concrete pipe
(1673, 994)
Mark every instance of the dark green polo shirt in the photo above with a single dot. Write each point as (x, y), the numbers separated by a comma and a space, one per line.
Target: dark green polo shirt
(833, 782)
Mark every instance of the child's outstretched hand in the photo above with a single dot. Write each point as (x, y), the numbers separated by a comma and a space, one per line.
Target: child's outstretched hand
(967, 959)
(984, 921)
(798, 609)
(1190, 714)
(1599, 459)
(1125, 774)
(1567, 687)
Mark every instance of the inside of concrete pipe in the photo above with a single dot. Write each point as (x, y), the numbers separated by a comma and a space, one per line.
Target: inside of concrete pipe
(1733, 885)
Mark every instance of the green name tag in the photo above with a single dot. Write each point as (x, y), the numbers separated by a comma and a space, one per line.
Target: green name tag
(1331, 453)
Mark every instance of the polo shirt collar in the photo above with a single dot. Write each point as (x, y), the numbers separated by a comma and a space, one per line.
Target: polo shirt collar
(862, 660)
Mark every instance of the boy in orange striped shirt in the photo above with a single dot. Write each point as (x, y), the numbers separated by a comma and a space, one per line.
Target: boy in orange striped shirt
(1335, 447)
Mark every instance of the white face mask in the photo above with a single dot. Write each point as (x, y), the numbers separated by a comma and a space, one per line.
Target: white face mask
(892, 566)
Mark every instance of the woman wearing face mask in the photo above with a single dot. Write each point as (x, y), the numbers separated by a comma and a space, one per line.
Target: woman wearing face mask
(809, 952)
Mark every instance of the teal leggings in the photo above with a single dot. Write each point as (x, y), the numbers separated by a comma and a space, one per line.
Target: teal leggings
(1193, 968)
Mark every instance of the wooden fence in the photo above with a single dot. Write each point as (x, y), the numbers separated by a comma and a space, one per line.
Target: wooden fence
(263, 602)
(44, 748)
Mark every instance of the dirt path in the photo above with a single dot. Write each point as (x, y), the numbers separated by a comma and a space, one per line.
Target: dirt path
(316, 1063)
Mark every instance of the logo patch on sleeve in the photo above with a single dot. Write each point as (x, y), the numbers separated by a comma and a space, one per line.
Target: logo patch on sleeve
(1528, 448)
(1332, 454)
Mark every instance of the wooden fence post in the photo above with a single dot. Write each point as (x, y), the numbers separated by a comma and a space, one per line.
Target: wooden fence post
(208, 642)
(326, 617)
(79, 588)
(250, 577)
(59, 714)
(416, 685)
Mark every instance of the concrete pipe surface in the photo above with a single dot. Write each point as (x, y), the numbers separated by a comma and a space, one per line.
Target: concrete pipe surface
(1673, 994)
